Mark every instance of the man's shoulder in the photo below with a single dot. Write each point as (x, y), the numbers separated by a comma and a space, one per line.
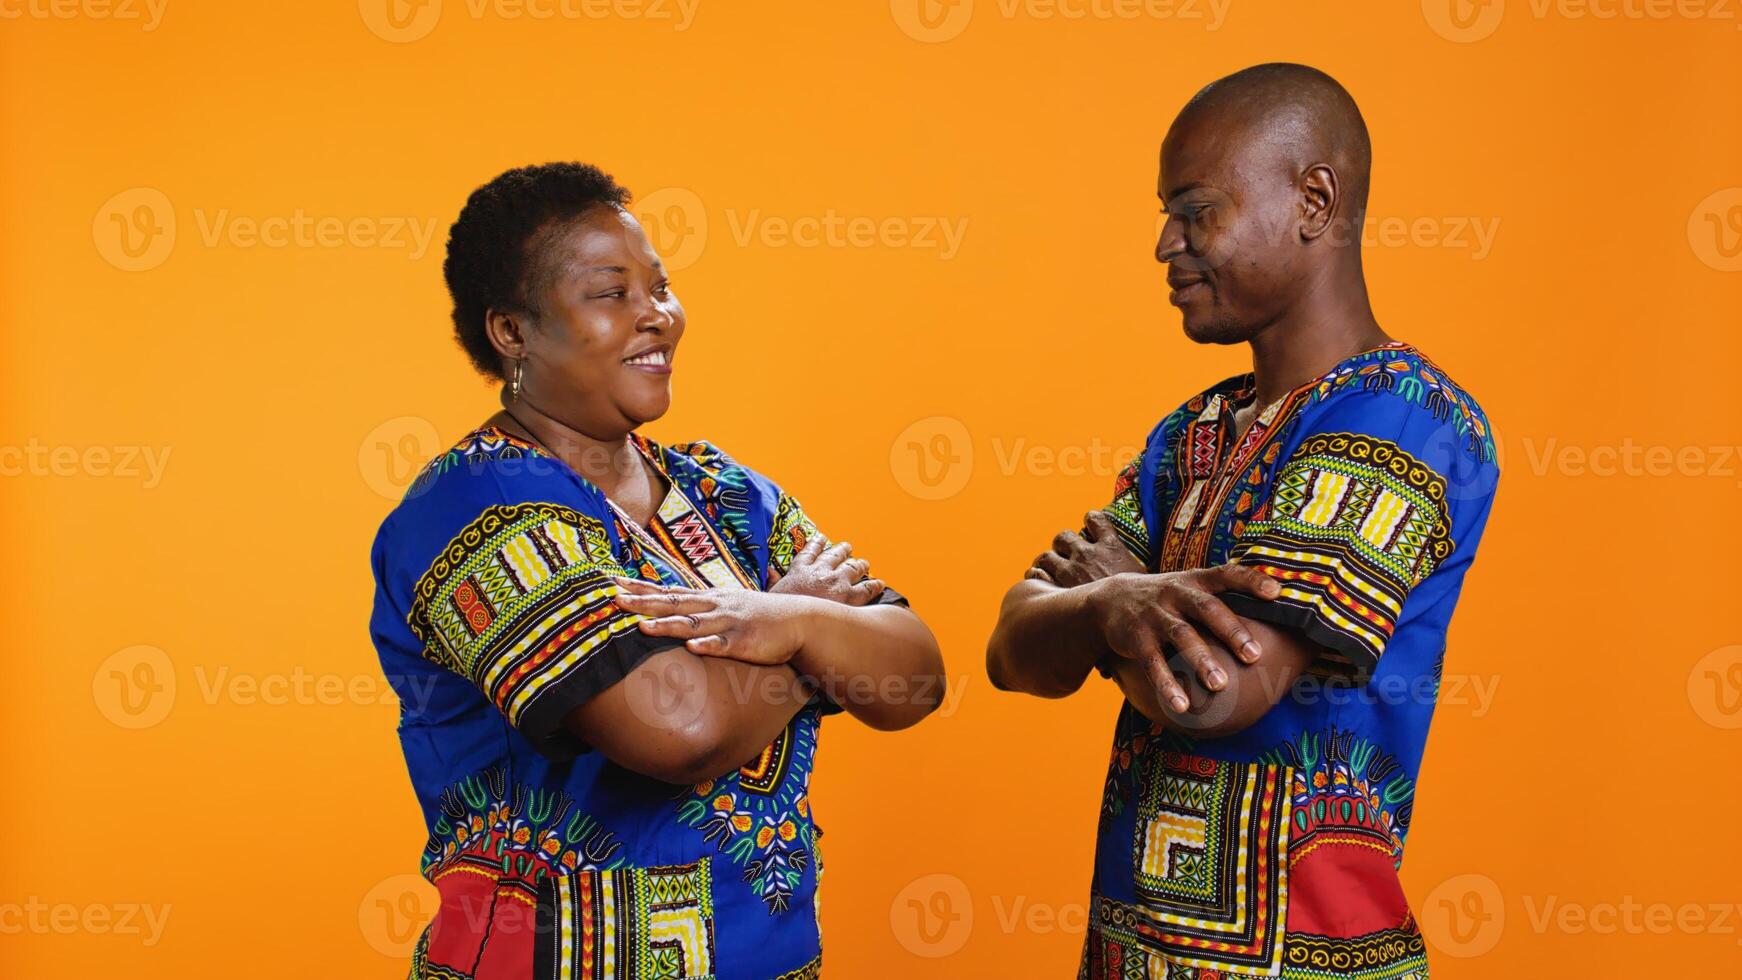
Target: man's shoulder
(1397, 377)
(1400, 378)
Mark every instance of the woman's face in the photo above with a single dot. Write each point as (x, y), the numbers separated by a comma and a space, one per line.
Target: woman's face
(598, 355)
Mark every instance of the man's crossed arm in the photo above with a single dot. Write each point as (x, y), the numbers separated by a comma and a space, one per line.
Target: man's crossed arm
(1182, 657)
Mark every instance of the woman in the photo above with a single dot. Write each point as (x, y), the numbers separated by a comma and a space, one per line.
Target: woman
(613, 655)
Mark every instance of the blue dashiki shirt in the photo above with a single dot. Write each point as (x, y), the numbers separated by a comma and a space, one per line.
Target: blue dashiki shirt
(1274, 851)
(494, 619)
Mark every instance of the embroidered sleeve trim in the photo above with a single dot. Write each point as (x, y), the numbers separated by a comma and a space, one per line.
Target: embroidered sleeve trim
(1126, 511)
(520, 603)
(1353, 524)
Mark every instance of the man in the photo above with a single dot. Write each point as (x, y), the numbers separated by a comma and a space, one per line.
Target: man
(1272, 582)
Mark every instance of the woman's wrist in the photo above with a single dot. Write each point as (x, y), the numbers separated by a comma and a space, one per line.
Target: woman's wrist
(814, 619)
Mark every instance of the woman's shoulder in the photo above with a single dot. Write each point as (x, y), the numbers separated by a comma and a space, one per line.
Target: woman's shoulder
(489, 462)
(698, 454)
(734, 496)
(485, 470)
(702, 462)
(476, 449)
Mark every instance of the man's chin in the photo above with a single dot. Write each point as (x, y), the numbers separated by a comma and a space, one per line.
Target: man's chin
(1201, 328)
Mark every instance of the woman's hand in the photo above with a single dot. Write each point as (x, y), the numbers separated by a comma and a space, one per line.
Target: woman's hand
(741, 624)
(1077, 559)
(832, 573)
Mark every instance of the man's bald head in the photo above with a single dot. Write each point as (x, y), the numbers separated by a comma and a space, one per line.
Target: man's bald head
(1264, 178)
(1295, 111)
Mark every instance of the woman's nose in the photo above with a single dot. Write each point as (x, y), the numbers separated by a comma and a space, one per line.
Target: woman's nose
(654, 317)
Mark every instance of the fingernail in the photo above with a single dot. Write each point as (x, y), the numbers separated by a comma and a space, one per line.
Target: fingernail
(1271, 589)
(1217, 680)
(1179, 703)
(1250, 651)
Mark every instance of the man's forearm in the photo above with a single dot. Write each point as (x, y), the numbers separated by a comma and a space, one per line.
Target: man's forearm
(1252, 689)
(1044, 643)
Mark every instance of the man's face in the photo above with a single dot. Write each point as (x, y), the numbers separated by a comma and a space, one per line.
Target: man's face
(1231, 238)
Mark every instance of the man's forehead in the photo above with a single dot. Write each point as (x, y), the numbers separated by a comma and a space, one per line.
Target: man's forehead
(1192, 157)
(1219, 147)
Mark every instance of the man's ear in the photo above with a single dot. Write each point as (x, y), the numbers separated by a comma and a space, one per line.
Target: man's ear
(507, 333)
(1321, 194)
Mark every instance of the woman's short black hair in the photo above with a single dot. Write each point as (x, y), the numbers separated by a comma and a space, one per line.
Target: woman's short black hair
(490, 247)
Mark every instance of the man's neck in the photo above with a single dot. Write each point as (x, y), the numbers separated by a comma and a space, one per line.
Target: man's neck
(1330, 325)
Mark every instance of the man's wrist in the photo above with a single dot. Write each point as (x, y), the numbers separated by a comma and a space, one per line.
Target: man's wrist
(1091, 598)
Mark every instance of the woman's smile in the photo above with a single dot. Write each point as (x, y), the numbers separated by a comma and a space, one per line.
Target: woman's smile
(653, 360)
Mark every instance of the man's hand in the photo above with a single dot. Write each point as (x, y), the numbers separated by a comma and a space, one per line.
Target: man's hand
(1140, 616)
(1080, 558)
(832, 573)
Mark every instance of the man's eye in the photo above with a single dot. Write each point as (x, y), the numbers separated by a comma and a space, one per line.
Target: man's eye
(662, 289)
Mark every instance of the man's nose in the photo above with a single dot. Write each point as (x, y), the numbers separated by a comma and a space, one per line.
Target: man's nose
(1171, 243)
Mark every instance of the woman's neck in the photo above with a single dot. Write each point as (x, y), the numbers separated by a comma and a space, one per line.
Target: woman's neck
(606, 460)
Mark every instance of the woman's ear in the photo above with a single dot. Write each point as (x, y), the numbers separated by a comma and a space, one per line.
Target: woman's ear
(506, 332)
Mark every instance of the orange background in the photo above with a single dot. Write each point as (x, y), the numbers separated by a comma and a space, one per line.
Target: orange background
(289, 385)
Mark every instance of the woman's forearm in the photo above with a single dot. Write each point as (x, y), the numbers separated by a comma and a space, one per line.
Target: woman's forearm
(748, 706)
(1045, 642)
(879, 662)
(683, 718)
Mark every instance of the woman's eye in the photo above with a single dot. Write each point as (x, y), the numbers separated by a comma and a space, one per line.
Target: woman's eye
(612, 294)
(662, 289)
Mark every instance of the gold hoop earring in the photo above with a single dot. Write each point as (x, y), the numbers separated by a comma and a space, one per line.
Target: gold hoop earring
(514, 383)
